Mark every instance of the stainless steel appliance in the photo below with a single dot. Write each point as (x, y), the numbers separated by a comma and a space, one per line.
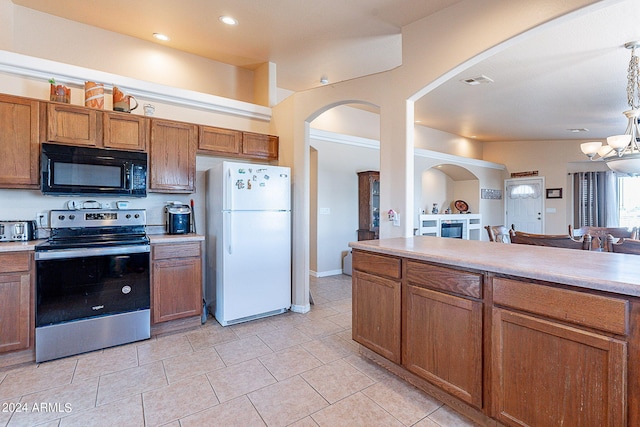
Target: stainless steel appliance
(177, 218)
(92, 282)
(70, 170)
(16, 231)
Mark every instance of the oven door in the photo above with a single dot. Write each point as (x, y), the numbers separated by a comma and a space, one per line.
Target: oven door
(87, 283)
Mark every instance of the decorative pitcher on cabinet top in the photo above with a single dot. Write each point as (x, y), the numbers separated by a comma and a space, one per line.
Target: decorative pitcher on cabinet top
(122, 101)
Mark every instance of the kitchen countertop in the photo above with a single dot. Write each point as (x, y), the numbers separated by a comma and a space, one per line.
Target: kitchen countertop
(603, 271)
(19, 246)
(154, 238)
(175, 238)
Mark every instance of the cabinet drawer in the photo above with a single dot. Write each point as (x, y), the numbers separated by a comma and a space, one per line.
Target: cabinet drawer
(595, 311)
(177, 250)
(445, 279)
(13, 262)
(377, 264)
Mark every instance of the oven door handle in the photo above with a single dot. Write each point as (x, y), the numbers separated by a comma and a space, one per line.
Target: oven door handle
(87, 252)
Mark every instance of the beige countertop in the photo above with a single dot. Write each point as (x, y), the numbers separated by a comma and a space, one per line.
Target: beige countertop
(154, 238)
(604, 271)
(175, 238)
(19, 246)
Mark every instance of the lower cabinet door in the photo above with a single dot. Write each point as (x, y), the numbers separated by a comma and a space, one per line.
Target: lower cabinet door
(443, 342)
(15, 314)
(576, 378)
(177, 289)
(376, 314)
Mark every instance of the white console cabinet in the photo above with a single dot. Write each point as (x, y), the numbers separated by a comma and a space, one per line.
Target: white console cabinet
(432, 225)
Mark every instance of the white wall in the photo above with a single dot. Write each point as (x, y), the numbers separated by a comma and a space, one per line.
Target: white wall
(337, 184)
(46, 36)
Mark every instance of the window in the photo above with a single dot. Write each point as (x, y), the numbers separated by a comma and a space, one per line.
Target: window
(629, 199)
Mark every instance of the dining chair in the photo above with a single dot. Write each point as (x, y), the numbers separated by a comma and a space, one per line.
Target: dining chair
(626, 246)
(552, 240)
(498, 233)
(602, 232)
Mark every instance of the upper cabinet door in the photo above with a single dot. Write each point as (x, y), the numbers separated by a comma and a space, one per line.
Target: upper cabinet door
(212, 140)
(19, 142)
(172, 157)
(260, 146)
(125, 131)
(70, 124)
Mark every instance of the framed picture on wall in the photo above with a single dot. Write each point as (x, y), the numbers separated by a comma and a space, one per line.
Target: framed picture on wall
(554, 193)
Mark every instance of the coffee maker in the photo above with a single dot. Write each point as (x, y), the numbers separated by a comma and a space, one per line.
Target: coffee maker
(177, 218)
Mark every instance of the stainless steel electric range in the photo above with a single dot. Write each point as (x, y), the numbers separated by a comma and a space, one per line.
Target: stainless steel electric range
(92, 282)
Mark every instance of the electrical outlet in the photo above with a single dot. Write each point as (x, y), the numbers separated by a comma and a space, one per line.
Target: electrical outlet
(42, 219)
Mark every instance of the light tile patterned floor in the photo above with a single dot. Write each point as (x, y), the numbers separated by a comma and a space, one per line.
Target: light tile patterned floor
(293, 369)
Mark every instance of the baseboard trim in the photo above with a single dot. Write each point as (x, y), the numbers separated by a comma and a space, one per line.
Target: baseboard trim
(301, 308)
(324, 273)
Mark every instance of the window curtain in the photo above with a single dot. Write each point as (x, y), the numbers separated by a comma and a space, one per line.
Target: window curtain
(595, 199)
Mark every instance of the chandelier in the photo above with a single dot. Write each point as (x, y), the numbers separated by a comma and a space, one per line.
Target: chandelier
(622, 152)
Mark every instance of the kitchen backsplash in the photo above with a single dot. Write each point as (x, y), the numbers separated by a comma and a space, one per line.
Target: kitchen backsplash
(26, 204)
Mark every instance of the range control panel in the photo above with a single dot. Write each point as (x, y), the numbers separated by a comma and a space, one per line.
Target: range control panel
(97, 218)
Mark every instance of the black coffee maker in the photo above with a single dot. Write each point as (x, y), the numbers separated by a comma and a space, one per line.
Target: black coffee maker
(177, 218)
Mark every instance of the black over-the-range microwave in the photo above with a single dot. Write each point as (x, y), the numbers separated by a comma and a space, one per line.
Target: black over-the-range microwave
(71, 170)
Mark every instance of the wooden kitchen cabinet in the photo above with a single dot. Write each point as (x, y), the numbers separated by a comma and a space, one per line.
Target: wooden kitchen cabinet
(16, 315)
(172, 157)
(377, 304)
(124, 131)
(260, 146)
(368, 205)
(73, 124)
(546, 358)
(219, 141)
(233, 143)
(442, 335)
(19, 142)
(176, 281)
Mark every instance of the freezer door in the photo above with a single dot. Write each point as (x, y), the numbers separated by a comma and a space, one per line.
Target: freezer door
(256, 264)
(256, 187)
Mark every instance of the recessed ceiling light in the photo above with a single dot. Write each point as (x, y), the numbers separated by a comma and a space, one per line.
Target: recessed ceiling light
(578, 130)
(479, 80)
(324, 80)
(229, 20)
(161, 36)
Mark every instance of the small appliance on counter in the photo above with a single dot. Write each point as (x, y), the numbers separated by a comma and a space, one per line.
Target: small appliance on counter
(17, 231)
(177, 218)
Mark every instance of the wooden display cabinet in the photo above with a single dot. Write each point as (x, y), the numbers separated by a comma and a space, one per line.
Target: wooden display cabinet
(368, 205)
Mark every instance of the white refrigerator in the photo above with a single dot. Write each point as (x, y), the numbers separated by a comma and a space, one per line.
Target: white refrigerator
(248, 241)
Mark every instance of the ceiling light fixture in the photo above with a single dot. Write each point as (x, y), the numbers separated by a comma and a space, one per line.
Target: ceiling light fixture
(324, 80)
(229, 20)
(161, 36)
(622, 154)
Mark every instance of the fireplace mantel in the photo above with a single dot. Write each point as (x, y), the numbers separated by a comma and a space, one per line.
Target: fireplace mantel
(431, 225)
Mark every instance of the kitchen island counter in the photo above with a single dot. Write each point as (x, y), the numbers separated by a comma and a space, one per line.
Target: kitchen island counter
(485, 327)
(604, 271)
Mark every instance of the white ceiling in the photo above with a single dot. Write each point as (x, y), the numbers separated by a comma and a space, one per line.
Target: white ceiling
(571, 75)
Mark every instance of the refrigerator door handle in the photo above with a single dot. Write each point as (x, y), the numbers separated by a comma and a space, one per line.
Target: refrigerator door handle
(228, 200)
(229, 232)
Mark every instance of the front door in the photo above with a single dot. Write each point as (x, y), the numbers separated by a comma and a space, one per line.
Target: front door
(524, 204)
